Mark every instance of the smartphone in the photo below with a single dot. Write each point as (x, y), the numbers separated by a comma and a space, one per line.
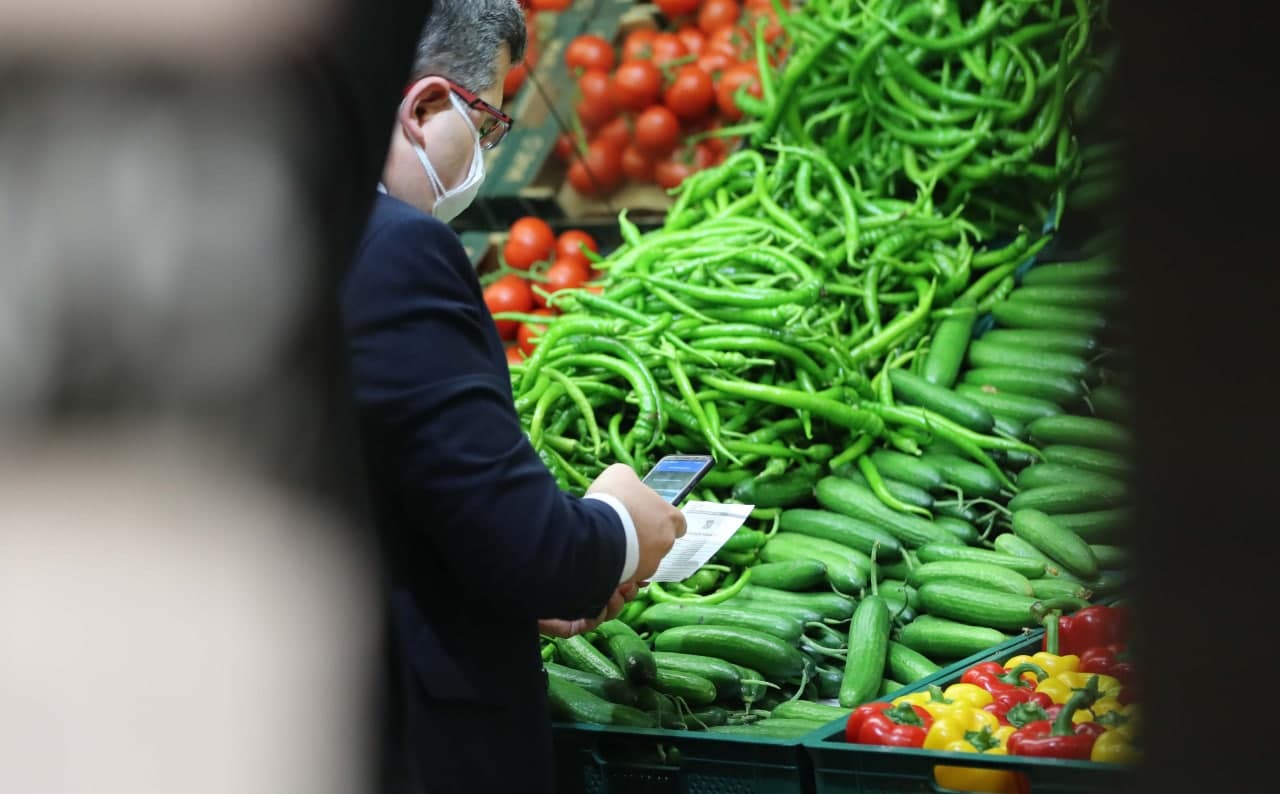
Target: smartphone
(674, 476)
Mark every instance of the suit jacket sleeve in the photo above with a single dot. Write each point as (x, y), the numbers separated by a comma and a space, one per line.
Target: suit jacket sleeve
(435, 397)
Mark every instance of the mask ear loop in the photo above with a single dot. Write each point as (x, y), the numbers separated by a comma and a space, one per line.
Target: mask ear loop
(437, 187)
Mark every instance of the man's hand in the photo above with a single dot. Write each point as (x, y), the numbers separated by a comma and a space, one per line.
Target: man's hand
(658, 523)
(555, 627)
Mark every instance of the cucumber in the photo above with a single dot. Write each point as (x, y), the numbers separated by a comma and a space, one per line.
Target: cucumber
(1109, 583)
(1087, 297)
(662, 708)
(1029, 568)
(1101, 461)
(660, 617)
(722, 675)
(946, 350)
(1011, 544)
(964, 531)
(902, 491)
(1061, 545)
(831, 606)
(804, 614)
(1057, 587)
(775, 658)
(977, 605)
(751, 692)
(1014, 459)
(1110, 556)
(867, 648)
(1073, 343)
(907, 664)
(1046, 474)
(940, 638)
(1086, 271)
(694, 689)
(898, 590)
(970, 477)
(772, 728)
(707, 717)
(912, 389)
(744, 539)
(857, 501)
(1081, 431)
(630, 653)
(808, 710)
(1111, 402)
(955, 511)
(1010, 427)
(1070, 498)
(845, 530)
(783, 490)
(979, 574)
(848, 570)
(1058, 389)
(985, 353)
(1096, 526)
(578, 652)
(907, 469)
(611, 689)
(1016, 406)
(568, 701)
(898, 569)
(793, 575)
(890, 687)
(1025, 314)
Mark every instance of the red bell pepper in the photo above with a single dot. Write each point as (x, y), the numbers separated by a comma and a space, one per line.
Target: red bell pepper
(1112, 660)
(1089, 628)
(1002, 703)
(1061, 738)
(992, 677)
(903, 725)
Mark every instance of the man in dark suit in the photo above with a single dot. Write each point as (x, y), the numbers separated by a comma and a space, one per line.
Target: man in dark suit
(483, 550)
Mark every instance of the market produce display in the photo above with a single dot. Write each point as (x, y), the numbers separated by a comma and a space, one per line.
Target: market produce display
(934, 436)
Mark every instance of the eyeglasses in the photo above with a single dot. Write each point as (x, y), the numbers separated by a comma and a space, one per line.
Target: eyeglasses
(495, 124)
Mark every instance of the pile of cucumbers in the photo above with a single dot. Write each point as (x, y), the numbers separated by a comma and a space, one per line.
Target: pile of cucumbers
(880, 569)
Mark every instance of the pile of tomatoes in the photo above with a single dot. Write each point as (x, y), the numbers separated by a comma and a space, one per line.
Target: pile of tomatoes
(533, 255)
(645, 108)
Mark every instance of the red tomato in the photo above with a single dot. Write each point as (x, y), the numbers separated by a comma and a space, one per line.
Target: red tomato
(565, 147)
(529, 240)
(524, 336)
(563, 274)
(706, 154)
(691, 94)
(599, 172)
(764, 5)
(657, 131)
(514, 79)
(508, 294)
(637, 46)
(550, 5)
(514, 356)
(733, 77)
(589, 51)
(570, 243)
(713, 62)
(731, 40)
(667, 47)
(693, 38)
(669, 173)
(637, 165)
(616, 133)
(674, 8)
(595, 106)
(716, 14)
(636, 85)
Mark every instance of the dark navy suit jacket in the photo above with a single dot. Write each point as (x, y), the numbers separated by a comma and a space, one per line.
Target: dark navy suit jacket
(479, 540)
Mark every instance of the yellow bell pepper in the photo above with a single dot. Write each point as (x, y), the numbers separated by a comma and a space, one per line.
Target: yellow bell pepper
(969, 731)
(939, 702)
(1051, 663)
(1059, 687)
(1114, 747)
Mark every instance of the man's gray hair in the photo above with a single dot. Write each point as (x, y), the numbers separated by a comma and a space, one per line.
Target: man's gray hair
(460, 40)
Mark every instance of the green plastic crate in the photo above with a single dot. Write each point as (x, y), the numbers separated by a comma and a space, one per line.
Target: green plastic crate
(599, 759)
(839, 767)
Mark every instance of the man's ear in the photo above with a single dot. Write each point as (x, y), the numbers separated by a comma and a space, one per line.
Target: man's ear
(423, 99)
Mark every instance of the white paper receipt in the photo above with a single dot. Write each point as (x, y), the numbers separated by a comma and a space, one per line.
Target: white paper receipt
(709, 525)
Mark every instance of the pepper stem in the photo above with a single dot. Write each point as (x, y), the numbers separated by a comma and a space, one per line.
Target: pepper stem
(1051, 626)
(1080, 699)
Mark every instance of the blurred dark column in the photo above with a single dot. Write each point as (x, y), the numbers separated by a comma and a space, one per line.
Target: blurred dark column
(1198, 93)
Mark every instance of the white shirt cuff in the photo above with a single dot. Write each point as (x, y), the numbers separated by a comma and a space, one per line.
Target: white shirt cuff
(632, 560)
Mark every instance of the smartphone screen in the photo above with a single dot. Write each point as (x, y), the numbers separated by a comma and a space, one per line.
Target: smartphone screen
(674, 476)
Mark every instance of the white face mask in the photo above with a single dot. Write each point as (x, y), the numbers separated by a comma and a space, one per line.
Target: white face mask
(450, 203)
